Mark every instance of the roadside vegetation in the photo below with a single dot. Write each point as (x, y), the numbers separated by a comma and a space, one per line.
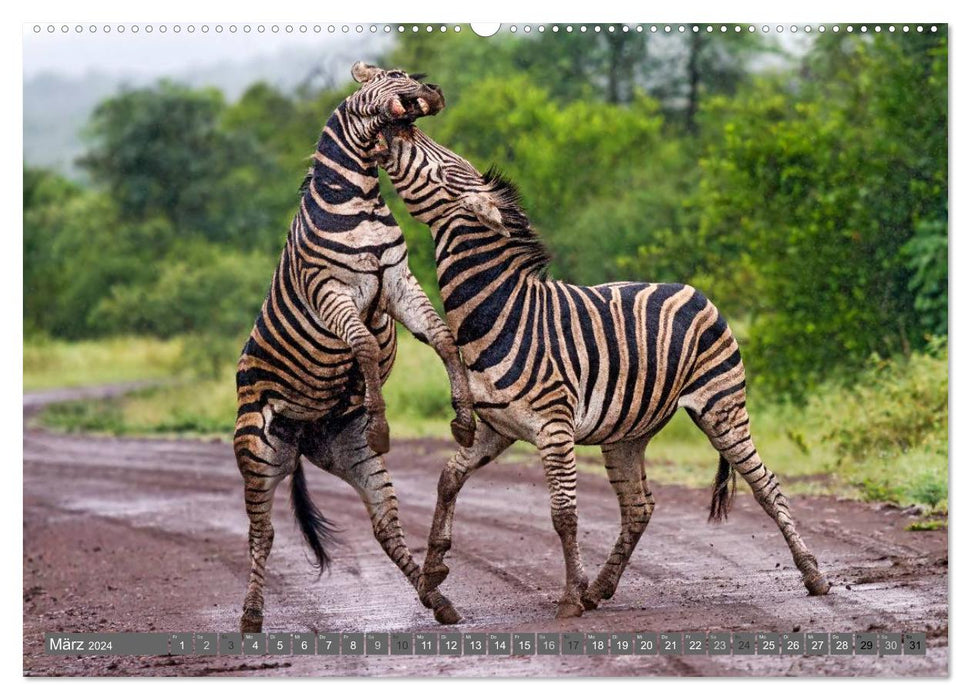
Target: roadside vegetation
(884, 438)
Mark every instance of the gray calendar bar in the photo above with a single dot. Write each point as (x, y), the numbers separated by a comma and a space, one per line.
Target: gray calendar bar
(180, 644)
(548, 643)
(875, 644)
(303, 643)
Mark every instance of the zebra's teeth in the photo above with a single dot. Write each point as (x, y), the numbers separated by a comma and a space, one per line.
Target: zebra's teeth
(423, 105)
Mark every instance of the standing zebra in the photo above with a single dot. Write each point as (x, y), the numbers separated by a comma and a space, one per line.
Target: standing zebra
(558, 365)
(310, 376)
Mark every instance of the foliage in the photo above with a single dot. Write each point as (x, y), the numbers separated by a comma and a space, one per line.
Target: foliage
(890, 428)
(896, 405)
(833, 195)
(536, 141)
(927, 525)
(925, 255)
(159, 150)
(74, 251)
(807, 200)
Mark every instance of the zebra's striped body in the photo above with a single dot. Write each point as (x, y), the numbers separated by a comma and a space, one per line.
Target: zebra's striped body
(557, 365)
(309, 378)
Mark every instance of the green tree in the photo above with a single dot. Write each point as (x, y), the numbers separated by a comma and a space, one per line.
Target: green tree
(824, 191)
(160, 152)
(207, 293)
(75, 249)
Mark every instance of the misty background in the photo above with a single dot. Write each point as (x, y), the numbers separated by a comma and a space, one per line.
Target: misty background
(67, 75)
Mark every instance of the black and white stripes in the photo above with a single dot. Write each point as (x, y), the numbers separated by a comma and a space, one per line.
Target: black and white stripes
(309, 378)
(557, 365)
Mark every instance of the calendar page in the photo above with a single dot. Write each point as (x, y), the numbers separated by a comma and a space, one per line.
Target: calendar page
(543, 349)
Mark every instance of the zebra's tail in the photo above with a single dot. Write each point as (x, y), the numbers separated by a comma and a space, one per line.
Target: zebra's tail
(317, 530)
(722, 491)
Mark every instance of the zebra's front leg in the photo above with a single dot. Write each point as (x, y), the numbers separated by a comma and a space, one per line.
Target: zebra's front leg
(625, 469)
(409, 304)
(341, 316)
(351, 458)
(559, 463)
(487, 446)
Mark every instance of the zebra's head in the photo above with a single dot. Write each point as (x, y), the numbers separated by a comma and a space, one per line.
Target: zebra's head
(387, 97)
(435, 182)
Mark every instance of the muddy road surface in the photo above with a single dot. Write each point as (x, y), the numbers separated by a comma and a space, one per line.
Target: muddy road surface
(150, 535)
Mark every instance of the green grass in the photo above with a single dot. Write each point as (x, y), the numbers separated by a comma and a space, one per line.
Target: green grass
(417, 393)
(52, 364)
(883, 439)
(927, 525)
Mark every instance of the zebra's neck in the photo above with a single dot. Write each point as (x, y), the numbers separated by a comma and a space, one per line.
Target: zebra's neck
(342, 174)
(481, 277)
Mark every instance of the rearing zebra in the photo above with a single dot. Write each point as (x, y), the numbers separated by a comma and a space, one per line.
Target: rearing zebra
(558, 364)
(309, 379)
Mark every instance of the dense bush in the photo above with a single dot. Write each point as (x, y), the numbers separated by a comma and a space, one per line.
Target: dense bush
(897, 405)
(889, 430)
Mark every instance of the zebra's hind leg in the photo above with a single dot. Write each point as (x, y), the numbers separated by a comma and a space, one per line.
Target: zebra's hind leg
(726, 423)
(348, 455)
(487, 445)
(264, 459)
(560, 467)
(624, 462)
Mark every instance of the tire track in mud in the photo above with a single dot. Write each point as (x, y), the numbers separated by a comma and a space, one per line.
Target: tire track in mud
(148, 534)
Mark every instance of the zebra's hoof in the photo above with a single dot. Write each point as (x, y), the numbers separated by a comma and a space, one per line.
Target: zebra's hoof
(431, 577)
(816, 583)
(378, 436)
(252, 621)
(589, 602)
(567, 609)
(464, 433)
(447, 615)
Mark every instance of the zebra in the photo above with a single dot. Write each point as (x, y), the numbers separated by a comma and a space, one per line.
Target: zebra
(310, 375)
(558, 365)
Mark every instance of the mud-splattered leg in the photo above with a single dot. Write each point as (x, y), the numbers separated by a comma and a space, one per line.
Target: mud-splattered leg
(487, 446)
(625, 470)
(266, 452)
(559, 464)
(348, 456)
(726, 424)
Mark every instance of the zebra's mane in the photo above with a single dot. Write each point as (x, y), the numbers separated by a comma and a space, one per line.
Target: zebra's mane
(515, 219)
(307, 179)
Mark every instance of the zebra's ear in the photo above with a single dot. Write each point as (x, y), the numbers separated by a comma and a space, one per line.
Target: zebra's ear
(482, 205)
(363, 72)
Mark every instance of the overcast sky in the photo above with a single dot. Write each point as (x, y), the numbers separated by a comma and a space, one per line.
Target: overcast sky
(155, 54)
(151, 55)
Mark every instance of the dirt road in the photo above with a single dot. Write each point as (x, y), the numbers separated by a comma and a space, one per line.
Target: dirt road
(150, 535)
